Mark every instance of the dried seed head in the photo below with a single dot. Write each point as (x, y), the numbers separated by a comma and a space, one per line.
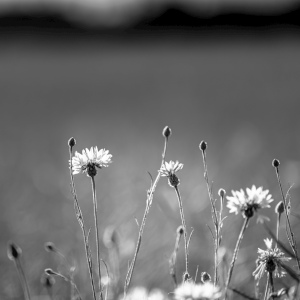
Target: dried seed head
(205, 277)
(167, 132)
(50, 247)
(275, 163)
(180, 230)
(13, 251)
(203, 146)
(71, 142)
(279, 209)
(222, 193)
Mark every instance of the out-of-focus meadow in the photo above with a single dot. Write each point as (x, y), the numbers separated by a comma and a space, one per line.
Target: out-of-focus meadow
(235, 87)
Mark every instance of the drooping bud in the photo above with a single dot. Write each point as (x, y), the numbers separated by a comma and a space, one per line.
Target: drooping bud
(13, 251)
(203, 146)
(222, 193)
(205, 277)
(71, 142)
(279, 209)
(180, 230)
(275, 163)
(50, 272)
(167, 132)
(50, 247)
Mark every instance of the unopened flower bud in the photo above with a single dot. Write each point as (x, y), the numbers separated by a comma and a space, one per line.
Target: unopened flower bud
(50, 272)
(279, 209)
(50, 247)
(48, 281)
(13, 251)
(205, 277)
(186, 277)
(222, 193)
(180, 230)
(275, 163)
(203, 146)
(71, 142)
(167, 132)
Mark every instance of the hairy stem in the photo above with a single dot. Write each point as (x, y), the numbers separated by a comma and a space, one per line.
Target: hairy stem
(97, 234)
(235, 253)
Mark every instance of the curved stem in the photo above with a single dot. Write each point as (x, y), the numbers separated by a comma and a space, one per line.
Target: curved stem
(97, 233)
(23, 279)
(184, 230)
(235, 253)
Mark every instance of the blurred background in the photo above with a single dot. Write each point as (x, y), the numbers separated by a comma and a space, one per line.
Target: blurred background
(113, 74)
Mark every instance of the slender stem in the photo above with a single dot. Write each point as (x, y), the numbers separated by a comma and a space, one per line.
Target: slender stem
(291, 239)
(235, 253)
(184, 230)
(214, 217)
(141, 230)
(173, 259)
(97, 233)
(80, 220)
(23, 279)
(277, 228)
(267, 288)
(271, 283)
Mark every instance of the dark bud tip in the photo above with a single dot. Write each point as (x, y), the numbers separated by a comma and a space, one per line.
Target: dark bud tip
(205, 277)
(167, 132)
(50, 247)
(275, 163)
(203, 146)
(279, 209)
(180, 230)
(13, 251)
(222, 193)
(71, 142)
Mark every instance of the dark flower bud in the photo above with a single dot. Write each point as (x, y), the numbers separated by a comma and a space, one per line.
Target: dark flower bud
(186, 277)
(13, 251)
(48, 281)
(180, 230)
(71, 142)
(279, 209)
(50, 247)
(167, 132)
(222, 193)
(173, 180)
(203, 146)
(275, 163)
(205, 277)
(50, 272)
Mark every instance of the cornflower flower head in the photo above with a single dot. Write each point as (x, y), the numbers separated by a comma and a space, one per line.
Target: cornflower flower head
(192, 291)
(89, 160)
(169, 170)
(270, 260)
(249, 202)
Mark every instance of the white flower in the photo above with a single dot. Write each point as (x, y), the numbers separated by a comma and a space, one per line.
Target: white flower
(89, 160)
(192, 291)
(169, 170)
(270, 260)
(248, 203)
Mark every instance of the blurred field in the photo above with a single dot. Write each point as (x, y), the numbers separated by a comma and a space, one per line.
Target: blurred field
(237, 89)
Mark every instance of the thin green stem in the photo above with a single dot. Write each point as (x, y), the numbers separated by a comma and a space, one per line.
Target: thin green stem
(23, 279)
(80, 220)
(184, 230)
(271, 284)
(143, 223)
(97, 233)
(291, 238)
(235, 253)
(277, 228)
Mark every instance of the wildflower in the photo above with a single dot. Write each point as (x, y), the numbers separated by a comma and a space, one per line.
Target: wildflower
(89, 160)
(169, 170)
(249, 203)
(270, 260)
(192, 291)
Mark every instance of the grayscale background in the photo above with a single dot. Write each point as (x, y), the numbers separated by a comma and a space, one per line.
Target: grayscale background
(113, 74)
